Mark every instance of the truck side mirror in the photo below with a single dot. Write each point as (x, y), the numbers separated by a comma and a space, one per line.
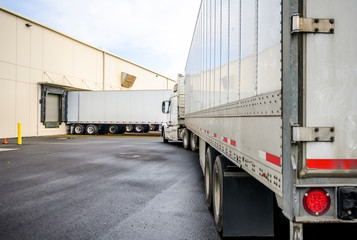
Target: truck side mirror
(165, 107)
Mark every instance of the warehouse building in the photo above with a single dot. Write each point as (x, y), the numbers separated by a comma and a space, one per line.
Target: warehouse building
(39, 65)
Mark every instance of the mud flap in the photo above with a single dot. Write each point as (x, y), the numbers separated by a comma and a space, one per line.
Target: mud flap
(247, 206)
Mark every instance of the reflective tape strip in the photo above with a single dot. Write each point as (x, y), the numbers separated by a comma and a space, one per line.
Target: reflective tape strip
(326, 164)
(270, 158)
(229, 141)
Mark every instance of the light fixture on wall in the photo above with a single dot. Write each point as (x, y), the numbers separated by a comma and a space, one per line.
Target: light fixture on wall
(28, 25)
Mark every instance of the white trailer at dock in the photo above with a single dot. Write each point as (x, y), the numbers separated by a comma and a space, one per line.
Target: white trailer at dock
(270, 99)
(91, 112)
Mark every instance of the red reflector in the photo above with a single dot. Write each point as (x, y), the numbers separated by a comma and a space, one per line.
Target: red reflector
(331, 163)
(316, 201)
(273, 159)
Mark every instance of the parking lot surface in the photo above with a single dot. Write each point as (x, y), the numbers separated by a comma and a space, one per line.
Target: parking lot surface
(111, 187)
(101, 188)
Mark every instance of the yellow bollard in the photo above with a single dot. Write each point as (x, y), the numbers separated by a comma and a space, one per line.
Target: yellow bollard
(19, 137)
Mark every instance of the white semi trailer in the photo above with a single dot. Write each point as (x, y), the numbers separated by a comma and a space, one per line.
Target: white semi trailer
(93, 112)
(270, 94)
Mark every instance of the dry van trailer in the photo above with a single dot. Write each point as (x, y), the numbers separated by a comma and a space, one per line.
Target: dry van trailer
(270, 92)
(93, 112)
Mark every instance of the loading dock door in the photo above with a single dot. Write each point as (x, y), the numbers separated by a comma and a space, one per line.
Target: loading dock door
(53, 108)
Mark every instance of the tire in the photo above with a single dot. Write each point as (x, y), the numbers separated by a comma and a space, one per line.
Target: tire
(112, 129)
(156, 127)
(139, 128)
(91, 129)
(186, 138)
(129, 128)
(209, 161)
(121, 129)
(194, 142)
(146, 128)
(78, 129)
(217, 191)
(164, 137)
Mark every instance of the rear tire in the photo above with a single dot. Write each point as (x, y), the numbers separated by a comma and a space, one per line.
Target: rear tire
(139, 128)
(186, 138)
(146, 128)
(91, 129)
(217, 191)
(209, 161)
(78, 129)
(129, 128)
(112, 129)
(194, 142)
(121, 129)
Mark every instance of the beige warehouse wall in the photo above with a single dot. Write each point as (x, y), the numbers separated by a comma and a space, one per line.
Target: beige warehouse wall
(18, 91)
(35, 55)
(144, 79)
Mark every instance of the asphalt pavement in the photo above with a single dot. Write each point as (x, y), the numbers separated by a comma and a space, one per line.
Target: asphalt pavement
(101, 187)
(111, 187)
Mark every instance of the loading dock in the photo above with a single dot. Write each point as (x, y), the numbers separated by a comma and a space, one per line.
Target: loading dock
(34, 57)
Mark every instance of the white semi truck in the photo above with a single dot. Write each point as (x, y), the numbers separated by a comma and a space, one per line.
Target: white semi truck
(175, 128)
(270, 99)
(93, 112)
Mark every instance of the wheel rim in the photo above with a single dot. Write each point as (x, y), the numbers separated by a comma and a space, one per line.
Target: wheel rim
(138, 128)
(90, 130)
(78, 129)
(129, 128)
(207, 180)
(193, 142)
(185, 139)
(112, 129)
(217, 193)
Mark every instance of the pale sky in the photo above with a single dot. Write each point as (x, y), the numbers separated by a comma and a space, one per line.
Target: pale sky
(155, 34)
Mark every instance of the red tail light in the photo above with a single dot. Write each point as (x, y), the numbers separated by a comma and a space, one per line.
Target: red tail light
(317, 201)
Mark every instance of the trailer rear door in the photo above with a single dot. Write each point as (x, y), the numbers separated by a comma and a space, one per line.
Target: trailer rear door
(330, 80)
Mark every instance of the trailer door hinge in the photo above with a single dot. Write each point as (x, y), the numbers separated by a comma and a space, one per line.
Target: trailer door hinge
(312, 25)
(313, 134)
